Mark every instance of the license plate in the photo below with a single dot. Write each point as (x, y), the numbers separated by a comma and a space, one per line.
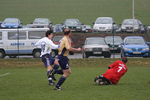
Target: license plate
(97, 52)
(136, 52)
(113, 48)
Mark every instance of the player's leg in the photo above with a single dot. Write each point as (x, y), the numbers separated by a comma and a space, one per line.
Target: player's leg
(100, 80)
(49, 75)
(56, 68)
(66, 72)
(48, 61)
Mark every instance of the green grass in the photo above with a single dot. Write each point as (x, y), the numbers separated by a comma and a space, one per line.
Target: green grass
(27, 81)
(86, 10)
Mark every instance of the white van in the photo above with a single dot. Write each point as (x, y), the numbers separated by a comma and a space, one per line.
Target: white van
(14, 42)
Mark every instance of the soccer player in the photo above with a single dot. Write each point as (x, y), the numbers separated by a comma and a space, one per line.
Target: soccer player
(65, 47)
(46, 46)
(114, 73)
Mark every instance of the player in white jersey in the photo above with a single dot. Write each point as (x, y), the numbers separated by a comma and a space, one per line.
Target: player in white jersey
(46, 46)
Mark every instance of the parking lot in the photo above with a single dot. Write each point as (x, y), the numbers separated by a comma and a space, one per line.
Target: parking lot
(75, 56)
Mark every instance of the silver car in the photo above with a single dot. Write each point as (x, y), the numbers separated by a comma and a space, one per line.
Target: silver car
(96, 46)
(132, 25)
(40, 23)
(104, 24)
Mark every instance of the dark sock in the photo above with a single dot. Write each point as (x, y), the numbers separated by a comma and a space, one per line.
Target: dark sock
(49, 73)
(59, 72)
(56, 67)
(61, 81)
(56, 71)
(49, 76)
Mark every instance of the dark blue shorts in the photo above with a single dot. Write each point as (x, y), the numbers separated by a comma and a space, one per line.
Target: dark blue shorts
(63, 62)
(48, 60)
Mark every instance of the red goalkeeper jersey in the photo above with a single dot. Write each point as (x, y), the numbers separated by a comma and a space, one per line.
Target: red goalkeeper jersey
(116, 71)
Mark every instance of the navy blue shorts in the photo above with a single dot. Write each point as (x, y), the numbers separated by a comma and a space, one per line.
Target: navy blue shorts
(48, 60)
(63, 62)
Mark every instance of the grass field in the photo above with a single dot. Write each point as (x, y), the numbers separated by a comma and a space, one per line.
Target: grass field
(27, 81)
(86, 10)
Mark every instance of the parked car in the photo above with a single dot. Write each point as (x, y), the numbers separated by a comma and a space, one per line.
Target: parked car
(148, 29)
(104, 24)
(40, 23)
(87, 28)
(135, 46)
(96, 46)
(114, 43)
(73, 24)
(132, 25)
(11, 23)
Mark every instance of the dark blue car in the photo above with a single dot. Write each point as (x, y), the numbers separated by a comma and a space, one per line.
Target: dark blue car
(135, 46)
(11, 23)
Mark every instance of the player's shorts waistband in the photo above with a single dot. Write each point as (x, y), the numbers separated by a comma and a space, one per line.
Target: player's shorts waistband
(46, 55)
(64, 57)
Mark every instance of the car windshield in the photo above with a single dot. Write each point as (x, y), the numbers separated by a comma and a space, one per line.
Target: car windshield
(99, 41)
(117, 40)
(134, 41)
(11, 21)
(130, 22)
(104, 21)
(41, 21)
(72, 22)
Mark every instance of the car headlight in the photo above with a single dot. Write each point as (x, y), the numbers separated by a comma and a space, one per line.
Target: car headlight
(127, 49)
(136, 27)
(2, 25)
(145, 49)
(88, 49)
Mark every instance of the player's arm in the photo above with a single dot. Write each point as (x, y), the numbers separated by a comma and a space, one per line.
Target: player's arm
(112, 65)
(38, 43)
(53, 46)
(68, 47)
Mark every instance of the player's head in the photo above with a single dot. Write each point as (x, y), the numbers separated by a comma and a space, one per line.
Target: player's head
(49, 34)
(124, 59)
(67, 31)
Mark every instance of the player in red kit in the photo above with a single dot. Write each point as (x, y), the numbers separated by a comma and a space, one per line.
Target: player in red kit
(114, 73)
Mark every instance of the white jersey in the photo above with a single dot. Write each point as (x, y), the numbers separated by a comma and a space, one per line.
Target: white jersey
(46, 46)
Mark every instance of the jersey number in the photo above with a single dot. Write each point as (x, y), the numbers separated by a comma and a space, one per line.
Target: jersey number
(121, 67)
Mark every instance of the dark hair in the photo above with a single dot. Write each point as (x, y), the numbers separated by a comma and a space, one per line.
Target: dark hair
(67, 31)
(124, 59)
(49, 32)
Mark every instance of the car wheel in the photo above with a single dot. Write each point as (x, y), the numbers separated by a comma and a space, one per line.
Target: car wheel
(107, 55)
(36, 54)
(2, 54)
(12, 56)
(86, 55)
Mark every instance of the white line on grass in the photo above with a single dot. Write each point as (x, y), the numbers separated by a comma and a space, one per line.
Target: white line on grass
(2, 75)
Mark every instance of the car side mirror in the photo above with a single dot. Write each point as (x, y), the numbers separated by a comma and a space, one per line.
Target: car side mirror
(122, 43)
(109, 45)
(114, 23)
